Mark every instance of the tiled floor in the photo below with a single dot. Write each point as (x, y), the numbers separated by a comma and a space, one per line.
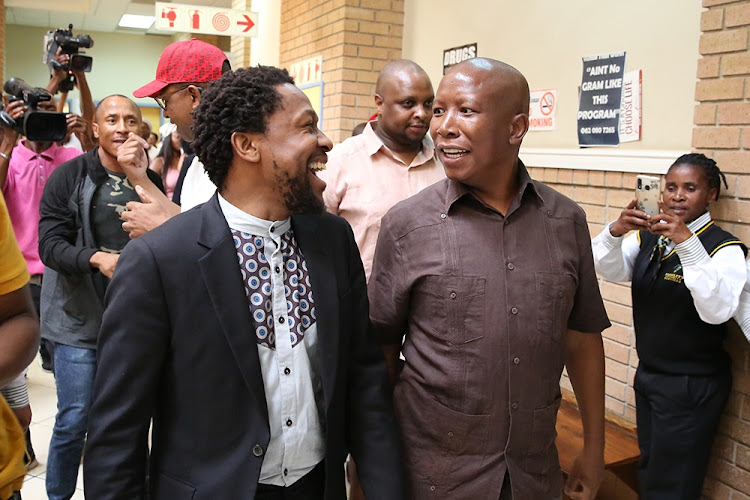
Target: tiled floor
(43, 407)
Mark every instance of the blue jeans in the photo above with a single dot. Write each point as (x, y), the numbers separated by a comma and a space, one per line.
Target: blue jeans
(74, 374)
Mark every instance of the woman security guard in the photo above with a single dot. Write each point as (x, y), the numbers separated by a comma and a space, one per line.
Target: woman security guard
(687, 275)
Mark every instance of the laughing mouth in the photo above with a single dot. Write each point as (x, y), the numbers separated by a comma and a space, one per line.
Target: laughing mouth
(454, 153)
(317, 166)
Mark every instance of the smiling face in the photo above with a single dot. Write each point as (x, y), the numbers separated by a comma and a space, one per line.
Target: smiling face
(476, 124)
(294, 149)
(686, 192)
(404, 102)
(115, 118)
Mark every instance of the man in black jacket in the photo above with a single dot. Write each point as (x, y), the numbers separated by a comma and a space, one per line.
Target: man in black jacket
(241, 327)
(80, 238)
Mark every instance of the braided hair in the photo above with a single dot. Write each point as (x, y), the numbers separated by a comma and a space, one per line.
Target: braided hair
(710, 169)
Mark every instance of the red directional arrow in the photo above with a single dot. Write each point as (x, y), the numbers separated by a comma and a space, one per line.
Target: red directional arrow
(247, 22)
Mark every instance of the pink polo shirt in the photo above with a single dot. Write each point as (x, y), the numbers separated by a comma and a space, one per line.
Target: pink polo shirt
(27, 174)
(365, 179)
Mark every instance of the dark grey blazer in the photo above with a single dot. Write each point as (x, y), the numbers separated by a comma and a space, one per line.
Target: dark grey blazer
(177, 344)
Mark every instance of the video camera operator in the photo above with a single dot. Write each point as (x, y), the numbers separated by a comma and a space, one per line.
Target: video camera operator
(79, 126)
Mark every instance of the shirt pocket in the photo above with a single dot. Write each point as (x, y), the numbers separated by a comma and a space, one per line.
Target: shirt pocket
(453, 308)
(537, 459)
(555, 294)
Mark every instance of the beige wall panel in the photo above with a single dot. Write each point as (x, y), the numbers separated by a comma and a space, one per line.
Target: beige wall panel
(546, 40)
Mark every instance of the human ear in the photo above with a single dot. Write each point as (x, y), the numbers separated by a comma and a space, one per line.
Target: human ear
(95, 129)
(245, 146)
(519, 125)
(379, 103)
(195, 95)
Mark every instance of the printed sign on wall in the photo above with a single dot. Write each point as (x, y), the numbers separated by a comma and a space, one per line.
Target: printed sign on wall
(453, 56)
(599, 105)
(630, 109)
(543, 110)
(206, 20)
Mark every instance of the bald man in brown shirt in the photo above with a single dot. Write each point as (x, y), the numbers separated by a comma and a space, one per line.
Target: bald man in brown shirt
(488, 279)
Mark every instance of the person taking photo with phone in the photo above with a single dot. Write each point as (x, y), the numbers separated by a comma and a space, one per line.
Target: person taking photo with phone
(687, 275)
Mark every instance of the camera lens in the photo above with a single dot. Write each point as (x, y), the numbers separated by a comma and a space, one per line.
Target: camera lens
(640, 183)
(648, 187)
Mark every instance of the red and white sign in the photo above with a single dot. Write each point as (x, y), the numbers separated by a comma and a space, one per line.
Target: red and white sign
(630, 107)
(543, 110)
(206, 20)
(307, 71)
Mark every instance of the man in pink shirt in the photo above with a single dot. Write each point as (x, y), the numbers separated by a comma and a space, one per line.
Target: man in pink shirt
(390, 161)
(23, 173)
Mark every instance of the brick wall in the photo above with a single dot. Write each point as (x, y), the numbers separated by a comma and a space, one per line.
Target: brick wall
(722, 131)
(356, 39)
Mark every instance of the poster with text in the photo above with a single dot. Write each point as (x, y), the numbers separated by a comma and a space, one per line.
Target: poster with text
(630, 107)
(599, 105)
(543, 110)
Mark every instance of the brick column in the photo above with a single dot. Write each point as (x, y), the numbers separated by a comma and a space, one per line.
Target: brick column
(722, 131)
(356, 39)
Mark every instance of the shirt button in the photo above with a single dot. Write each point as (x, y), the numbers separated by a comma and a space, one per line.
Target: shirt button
(511, 266)
(257, 450)
(272, 229)
(506, 222)
(514, 310)
(514, 405)
(281, 320)
(287, 371)
(443, 216)
(559, 294)
(516, 360)
(450, 434)
(289, 422)
(286, 472)
(277, 269)
(453, 295)
(432, 488)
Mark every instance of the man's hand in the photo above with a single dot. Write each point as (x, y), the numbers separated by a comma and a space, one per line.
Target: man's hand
(133, 159)
(141, 218)
(105, 262)
(631, 219)
(585, 476)
(82, 129)
(667, 223)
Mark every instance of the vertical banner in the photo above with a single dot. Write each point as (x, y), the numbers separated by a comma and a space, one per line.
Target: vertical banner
(599, 105)
(543, 110)
(630, 109)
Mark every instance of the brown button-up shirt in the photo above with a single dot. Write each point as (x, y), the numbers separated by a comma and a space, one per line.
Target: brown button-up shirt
(483, 301)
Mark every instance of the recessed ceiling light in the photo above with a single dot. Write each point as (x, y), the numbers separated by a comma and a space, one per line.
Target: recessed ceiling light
(135, 21)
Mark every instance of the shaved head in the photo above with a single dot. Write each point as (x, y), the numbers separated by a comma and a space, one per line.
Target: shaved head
(399, 70)
(136, 110)
(501, 78)
(403, 95)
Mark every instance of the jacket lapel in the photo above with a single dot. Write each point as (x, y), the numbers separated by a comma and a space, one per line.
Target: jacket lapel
(223, 280)
(311, 237)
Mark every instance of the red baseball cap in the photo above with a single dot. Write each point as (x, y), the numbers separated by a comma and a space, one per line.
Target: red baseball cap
(189, 61)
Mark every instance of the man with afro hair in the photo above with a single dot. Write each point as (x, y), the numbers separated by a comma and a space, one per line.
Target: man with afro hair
(260, 374)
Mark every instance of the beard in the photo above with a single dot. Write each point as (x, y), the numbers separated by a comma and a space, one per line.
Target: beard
(299, 197)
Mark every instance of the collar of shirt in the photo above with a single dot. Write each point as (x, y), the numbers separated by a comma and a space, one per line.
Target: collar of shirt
(373, 144)
(26, 154)
(243, 221)
(457, 190)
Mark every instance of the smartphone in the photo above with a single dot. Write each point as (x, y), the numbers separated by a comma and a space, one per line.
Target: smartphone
(648, 193)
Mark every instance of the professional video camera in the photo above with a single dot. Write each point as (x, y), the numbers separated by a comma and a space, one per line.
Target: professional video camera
(64, 40)
(35, 125)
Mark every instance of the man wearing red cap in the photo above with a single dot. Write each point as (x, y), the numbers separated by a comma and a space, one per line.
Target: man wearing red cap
(185, 69)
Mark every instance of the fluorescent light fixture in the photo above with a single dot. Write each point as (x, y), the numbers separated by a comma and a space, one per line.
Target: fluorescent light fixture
(135, 21)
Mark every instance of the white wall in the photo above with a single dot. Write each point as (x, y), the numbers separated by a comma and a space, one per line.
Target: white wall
(122, 62)
(546, 39)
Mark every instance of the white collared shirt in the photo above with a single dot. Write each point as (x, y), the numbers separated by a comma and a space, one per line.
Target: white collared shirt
(715, 282)
(281, 304)
(197, 188)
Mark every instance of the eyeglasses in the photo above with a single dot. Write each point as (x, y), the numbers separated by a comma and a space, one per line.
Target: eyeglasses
(163, 101)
